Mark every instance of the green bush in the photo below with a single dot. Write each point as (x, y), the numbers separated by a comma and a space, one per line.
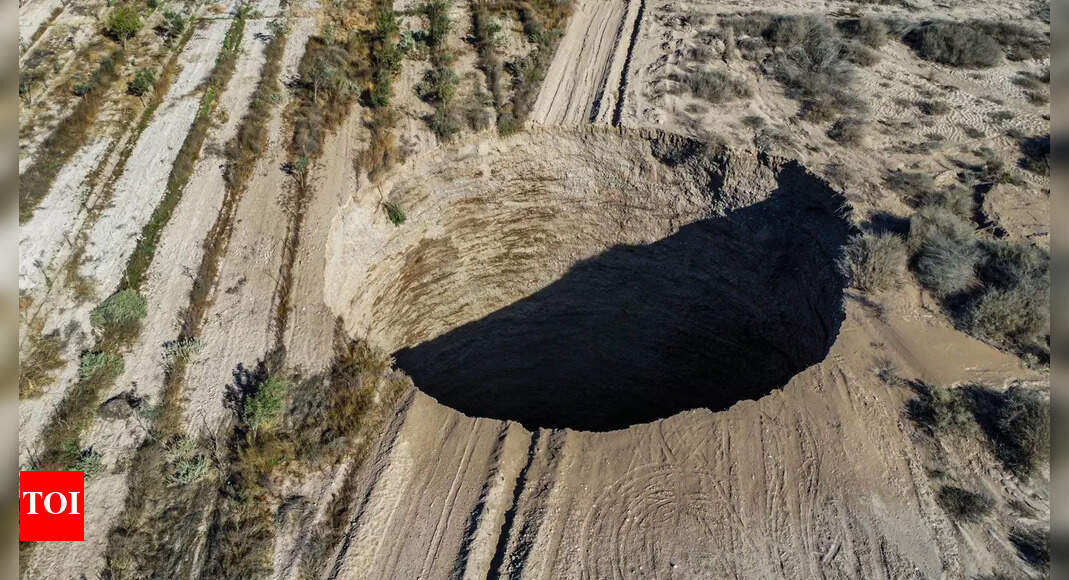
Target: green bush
(173, 24)
(394, 212)
(187, 462)
(87, 460)
(439, 86)
(874, 262)
(142, 83)
(262, 409)
(122, 309)
(123, 23)
(99, 364)
(963, 505)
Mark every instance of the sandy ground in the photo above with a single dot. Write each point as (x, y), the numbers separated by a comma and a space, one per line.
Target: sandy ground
(582, 83)
(32, 16)
(113, 236)
(239, 324)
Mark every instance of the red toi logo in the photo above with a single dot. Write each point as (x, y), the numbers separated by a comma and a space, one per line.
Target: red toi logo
(51, 506)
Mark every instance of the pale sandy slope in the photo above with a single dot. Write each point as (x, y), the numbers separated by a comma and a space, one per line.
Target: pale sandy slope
(33, 15)
(583, 80)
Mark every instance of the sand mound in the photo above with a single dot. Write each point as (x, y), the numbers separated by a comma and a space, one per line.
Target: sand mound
(594, 278)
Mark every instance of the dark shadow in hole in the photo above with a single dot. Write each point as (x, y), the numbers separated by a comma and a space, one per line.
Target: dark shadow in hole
(726, 309)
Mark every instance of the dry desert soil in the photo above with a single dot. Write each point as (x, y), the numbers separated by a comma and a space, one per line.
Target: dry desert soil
(538, 288)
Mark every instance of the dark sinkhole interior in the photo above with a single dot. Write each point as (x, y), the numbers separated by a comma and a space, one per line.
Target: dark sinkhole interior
(726, 309)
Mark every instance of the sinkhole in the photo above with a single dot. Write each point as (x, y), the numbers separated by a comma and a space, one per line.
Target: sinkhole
(595, 280)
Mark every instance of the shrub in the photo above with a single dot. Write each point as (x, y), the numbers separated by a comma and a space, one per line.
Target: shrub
(940, 409)
(871, 32)
(187, 462)
(848, 131)
(1022, 429)
(439, 85)
(861, 55)
(1033, 546)
(754, 122)
(172, 26)
(394, 212)
(1014, 309)
(945, 251)
(44, 357)
(956, 44)
(180, 350)
(123, 23)
(78, 459)
(1018, 42)
(955, 199)
(1035, 154)
(911, 183)
(963, 505)
(874, 262)
(102, 364)
(717, 86)
(933, 108)
(120, 310)
(142, 83)
(263, 408)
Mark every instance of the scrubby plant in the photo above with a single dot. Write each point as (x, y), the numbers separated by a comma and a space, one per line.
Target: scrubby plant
(963, 505)
(1033, 546)
(1035, 154)
(44, 358)
(933, 108)
(954, 198)
(1020, 430)
(187, 461)
(439, 85)
(717, 86)
(86, 460)
(174, 23)
(394, 212)
(180, 350)
(941, 409)
(871, 32)
(120, 310)
(945, 251)
(99, 364)
(874, 262)
(262, 409)
(123, 23)
(1014, 308)
(848, 131)
(142, 83)
(958, 44)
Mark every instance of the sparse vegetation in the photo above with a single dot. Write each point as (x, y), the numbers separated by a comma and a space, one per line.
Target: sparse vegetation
(261, 410)
(142, 83)
(717, 86)
(121, 310)
(43, 359)
(874, 262)
(848, 131)
(1017, 425)
(94, 365)
(941, 409)
(945, 251)
(68, 137)
(933, 108)
(1035, 154)
(394, 212)
(1033, 546)
(807, 55)
(187, 461)
(959, 44)
(87, 460)
(962, 505)
(123, 23)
